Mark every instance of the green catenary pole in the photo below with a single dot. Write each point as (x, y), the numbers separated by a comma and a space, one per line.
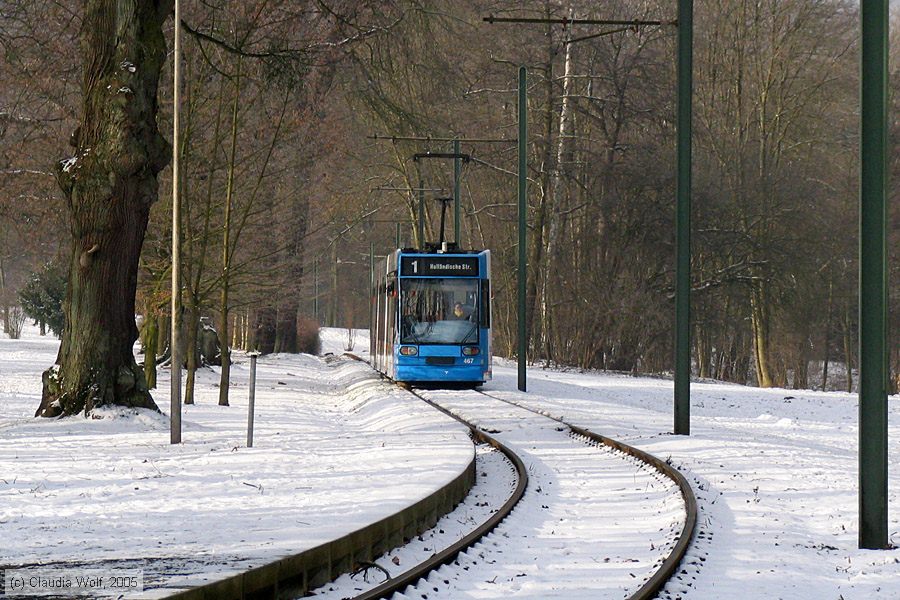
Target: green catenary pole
(457, 172)
(683, 221)
(873, 463)
(523, 207)
(421, 223)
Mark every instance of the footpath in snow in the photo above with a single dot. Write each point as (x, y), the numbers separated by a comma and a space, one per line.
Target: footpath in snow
(334, 449)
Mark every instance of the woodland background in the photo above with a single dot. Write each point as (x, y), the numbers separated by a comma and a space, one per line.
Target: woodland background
(282, 178)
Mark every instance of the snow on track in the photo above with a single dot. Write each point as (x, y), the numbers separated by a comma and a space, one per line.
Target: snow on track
(593, 523)
(495, 482)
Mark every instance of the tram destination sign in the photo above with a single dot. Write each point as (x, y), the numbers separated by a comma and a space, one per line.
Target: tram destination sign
(439, 266)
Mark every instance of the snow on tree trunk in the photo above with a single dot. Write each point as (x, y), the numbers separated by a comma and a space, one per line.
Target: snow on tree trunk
(109, 186)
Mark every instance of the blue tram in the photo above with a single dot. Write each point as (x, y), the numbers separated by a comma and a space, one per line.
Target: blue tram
(431, 317)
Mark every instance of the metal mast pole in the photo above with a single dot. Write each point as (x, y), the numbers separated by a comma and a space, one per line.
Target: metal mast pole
(457, 172)
(421, 224)
(683, 221)
(873, 372)
(523, 208)
(175, 391)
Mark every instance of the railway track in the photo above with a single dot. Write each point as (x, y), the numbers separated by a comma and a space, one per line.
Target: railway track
(450, 554)
(600, 519)
(670, 565)
(481, 560)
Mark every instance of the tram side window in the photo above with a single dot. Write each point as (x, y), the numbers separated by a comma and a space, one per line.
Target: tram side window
(486, 303)
(439, 311)
(391, 308)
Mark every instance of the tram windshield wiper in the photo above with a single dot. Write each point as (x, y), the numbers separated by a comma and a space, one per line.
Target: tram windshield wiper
(474, 329)
(411, 333)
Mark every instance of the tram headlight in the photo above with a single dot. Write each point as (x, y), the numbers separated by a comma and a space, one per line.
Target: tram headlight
(470, 351)
(408, 350)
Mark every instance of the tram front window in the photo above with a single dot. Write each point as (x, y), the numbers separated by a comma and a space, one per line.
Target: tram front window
(439, 311)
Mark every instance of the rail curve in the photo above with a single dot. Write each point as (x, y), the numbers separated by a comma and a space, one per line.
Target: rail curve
(669, 566)
(650, 587)
(449, 554)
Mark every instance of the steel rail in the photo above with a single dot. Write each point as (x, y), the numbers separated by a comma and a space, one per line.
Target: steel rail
(449, 554)
(669, 566)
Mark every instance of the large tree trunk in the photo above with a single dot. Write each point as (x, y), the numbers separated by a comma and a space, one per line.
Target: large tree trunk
(109, 186)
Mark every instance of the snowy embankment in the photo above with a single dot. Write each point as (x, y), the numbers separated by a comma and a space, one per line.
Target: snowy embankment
(334, 449)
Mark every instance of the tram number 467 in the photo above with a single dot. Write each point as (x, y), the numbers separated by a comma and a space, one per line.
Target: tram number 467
(468, 361)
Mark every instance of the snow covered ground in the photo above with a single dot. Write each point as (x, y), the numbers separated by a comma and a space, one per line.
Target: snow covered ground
(775, 471)
(324, 462)
(775, 474)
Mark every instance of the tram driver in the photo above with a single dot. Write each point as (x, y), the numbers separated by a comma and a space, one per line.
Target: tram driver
(462, 313)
